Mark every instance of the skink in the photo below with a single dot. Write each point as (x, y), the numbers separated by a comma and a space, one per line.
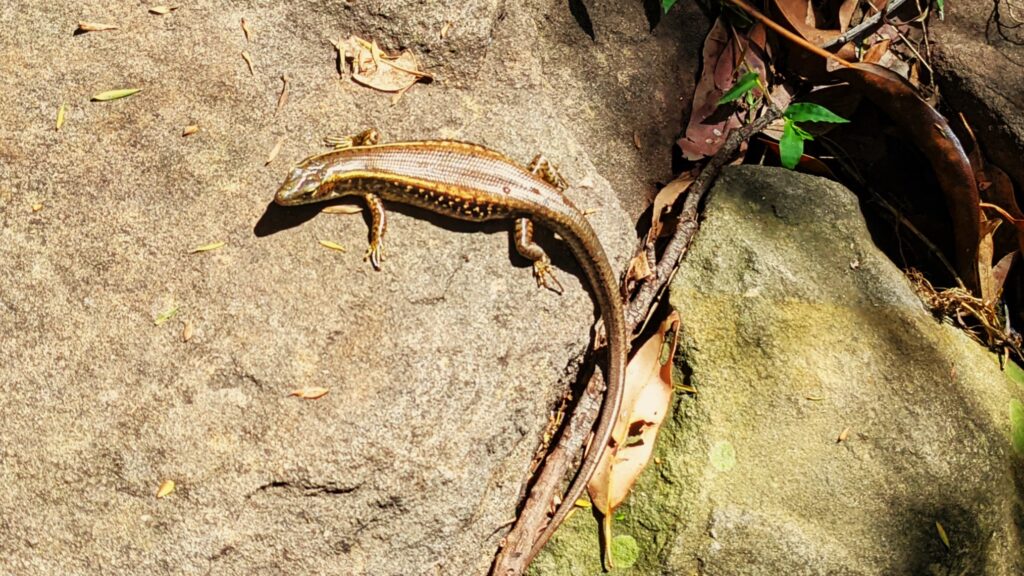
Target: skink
(471, 182)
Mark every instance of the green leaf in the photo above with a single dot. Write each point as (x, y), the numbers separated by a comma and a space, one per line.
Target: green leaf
(791, 146)
(666, 4)
(810, 112)
(1014, 372)
(723, 456)
(1017, 425)
(625, 551)
(165, 315)
(115, 94)
(941, 5)
(745, 84)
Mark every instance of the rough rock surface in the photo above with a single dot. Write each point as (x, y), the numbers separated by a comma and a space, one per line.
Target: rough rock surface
(442, 368)
(979, 62)
(799, 331)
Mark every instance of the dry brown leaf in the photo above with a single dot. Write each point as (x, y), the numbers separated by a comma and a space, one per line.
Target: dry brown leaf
(709, 123)
(846, 10)
(190, 130)
(445, 28)
(248, 61)
(95, 27)
(274, 151)
(373, 68)
(636, 140)
(246, 30)
(646, 401)
(933, 136)
(986, 246)
(165, 489)
(639, 268)
(665, 198)
(208, 247)
(332, 245)
(876, 51)
(187, 331)
(342, 209)
(309, 392)
(282, 98)
(61, 112)
(163, 10)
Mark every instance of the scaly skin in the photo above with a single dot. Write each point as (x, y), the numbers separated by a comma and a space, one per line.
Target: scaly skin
(470, 182)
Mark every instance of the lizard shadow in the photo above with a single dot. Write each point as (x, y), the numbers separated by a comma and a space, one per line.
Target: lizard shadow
(278, 218)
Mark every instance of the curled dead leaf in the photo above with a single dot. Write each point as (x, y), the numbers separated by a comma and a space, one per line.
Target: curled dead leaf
(165, 489)
(646, 401)
(931, 133)
(94, 27)
(274, 151)
(309, 392)
(374, 68)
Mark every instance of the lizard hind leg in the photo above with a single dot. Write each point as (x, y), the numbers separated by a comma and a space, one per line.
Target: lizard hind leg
(548, 172)
(527, 248)
(378, 226)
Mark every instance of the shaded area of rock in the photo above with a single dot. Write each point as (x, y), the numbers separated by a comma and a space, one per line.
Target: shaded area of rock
(442, 368)
(979, 64)
(799, 331)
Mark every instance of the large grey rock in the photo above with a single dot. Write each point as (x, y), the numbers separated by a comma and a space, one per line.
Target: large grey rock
(442, 369)
(796, 329)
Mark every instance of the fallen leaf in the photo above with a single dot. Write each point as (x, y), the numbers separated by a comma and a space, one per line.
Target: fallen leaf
(60, 115)
(373, 68)
(282, 98)
(165, 315)
(843, 435)
(248, 62)
(207, 247)
(665, 199)
(342, 209)
(163, 10)
(309, 392)
(190, 130)
(931, 133)
(246, 31)
(646, 400)
(874, 54)
(115, 94)
(37, 207)
(942, 533)
(187, 331)
(274, 151)
(709, 124)
(94, 27)
(165, 489)
(332, 245)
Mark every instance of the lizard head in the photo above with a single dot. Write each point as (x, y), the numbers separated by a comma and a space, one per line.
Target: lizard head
(303, 185)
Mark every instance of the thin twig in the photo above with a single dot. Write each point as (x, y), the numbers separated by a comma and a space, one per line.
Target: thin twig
(780, 30)
(867, 25)
(687, 226)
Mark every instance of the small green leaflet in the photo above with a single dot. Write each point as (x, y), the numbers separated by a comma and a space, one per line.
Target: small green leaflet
(1017, 425)
(666, 4)
(745, 84)
(115, 94)
(791, 146)
(165, 315)
(942, 533)
(810, 112)
(941, 4)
